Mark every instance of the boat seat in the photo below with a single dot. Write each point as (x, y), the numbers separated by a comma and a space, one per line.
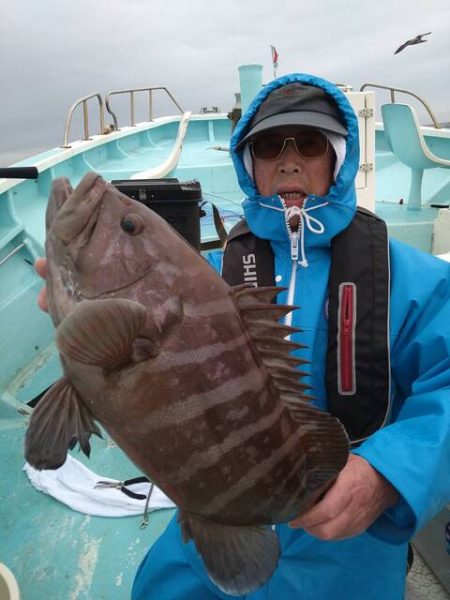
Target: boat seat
(9, 590)
(406, 141)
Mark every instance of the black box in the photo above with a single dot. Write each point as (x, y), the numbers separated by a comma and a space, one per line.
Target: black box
(176, 202)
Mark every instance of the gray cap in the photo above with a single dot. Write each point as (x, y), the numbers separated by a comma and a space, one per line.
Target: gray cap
(296, 104)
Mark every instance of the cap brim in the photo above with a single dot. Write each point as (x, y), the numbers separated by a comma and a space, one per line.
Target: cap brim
(306, 118)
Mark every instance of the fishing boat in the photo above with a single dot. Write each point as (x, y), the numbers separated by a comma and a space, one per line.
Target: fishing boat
(48, 548)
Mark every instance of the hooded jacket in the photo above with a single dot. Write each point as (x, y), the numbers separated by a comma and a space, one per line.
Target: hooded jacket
(411, 450)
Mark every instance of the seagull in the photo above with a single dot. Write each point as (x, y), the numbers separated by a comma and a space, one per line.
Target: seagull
(417, 40)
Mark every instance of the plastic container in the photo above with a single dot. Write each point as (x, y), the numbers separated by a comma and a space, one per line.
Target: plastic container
(176, 202)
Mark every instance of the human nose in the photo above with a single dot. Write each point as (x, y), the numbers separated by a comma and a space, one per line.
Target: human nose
(290, 160)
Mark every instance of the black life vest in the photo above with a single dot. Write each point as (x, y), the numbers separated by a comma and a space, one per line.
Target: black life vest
(358, 366)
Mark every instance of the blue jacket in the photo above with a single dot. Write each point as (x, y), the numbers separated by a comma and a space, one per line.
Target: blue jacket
(412, 450)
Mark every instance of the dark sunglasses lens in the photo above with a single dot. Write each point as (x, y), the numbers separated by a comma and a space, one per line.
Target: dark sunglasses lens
(309, 144)
(268, 145)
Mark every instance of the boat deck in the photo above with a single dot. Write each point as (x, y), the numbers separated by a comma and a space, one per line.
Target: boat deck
(422, 583)
(56, 552)
(50, 547)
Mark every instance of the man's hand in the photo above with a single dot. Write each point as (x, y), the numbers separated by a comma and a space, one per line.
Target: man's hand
(41, 268)
(357, 498)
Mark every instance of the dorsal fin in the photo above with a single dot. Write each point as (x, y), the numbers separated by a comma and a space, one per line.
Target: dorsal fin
(278, 357)
(291, 400)
(289, 383)
(256, 312)
(261, 319)
(269, 328)
(269, 342)
(246, 293)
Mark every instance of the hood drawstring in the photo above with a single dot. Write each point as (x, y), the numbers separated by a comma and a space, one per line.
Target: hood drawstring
(295, 236)
(305, 220)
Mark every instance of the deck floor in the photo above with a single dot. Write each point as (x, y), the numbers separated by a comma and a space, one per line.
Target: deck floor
(59, 553)
(422, 584)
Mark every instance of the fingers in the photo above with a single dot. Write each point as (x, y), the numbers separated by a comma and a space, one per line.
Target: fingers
(358, 497)
(338, 529)
(42, 300)
(332, 504)
(335, 501)
(331, 523)
(41, 269)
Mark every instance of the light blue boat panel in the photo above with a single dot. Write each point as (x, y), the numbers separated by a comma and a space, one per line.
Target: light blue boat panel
(406, 225)
(163, 134)
(30, 203)
(26, 330)
(393, 181)
(56, 552)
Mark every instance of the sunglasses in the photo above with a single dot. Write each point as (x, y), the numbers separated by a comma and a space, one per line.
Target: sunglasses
(308, 144)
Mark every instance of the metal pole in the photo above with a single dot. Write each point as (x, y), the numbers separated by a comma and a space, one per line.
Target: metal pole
(132, 108)
(150, 105)
(86, 120)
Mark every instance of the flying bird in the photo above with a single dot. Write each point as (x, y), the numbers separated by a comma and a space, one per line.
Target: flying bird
(417, 40)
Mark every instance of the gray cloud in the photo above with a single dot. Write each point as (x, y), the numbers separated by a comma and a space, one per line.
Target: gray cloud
(53, 52)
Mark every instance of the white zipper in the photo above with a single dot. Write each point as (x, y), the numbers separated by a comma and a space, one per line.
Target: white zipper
(294, 238)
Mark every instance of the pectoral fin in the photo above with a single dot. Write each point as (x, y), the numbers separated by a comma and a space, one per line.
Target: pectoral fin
(105, 333)
(59, 420)
(238, 559)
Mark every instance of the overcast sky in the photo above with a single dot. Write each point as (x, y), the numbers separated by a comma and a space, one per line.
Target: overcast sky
(52, 52)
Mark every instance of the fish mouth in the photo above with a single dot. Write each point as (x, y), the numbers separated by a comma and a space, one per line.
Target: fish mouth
(74, 213)
(60, 191)
(113, 290)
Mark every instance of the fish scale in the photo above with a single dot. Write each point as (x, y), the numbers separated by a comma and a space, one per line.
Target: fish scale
(194, 380)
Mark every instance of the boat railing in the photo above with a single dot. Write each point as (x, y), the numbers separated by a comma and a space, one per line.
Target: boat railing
(393, 90)
(132, 92)
(84, 102)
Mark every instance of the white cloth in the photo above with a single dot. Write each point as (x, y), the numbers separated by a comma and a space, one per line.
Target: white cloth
(74, 484)
(339, 147)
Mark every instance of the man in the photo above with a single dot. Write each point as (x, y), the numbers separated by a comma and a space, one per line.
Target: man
(296, 155)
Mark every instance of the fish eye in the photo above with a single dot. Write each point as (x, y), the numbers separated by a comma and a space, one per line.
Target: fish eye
(132, 224)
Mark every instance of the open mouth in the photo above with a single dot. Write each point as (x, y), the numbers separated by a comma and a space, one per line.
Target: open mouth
(291, 196)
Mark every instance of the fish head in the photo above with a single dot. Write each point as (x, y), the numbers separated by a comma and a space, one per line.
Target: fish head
(99, 241)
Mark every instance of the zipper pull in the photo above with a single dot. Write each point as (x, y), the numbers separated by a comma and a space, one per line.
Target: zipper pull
(347, 309)
(294, 236)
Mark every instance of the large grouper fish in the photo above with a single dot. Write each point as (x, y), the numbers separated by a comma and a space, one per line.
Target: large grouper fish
(193, 379)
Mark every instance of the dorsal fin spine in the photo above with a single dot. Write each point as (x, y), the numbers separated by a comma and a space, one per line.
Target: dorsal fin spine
(261, 319)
